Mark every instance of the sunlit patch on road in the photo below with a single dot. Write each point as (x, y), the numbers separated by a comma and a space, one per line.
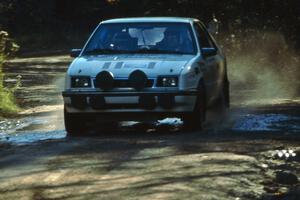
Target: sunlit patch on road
(20, 138)
(170, 121)
(42, 109)
(284, 154)
(31, 129)
(8, 126)
(167, 125)
(268, 122)
(239, 101)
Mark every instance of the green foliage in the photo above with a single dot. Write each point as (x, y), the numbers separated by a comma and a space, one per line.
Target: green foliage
(8, 105)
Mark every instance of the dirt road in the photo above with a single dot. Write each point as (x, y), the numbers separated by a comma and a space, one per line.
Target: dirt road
(253, 153)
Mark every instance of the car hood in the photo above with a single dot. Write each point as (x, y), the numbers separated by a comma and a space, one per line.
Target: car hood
(121, 66)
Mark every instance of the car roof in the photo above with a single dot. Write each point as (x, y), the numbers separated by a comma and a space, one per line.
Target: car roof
(151, 20)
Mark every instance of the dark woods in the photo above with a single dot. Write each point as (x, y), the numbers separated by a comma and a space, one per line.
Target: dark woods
(65, 21)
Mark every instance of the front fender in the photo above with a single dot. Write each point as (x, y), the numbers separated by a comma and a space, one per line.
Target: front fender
(191, 75)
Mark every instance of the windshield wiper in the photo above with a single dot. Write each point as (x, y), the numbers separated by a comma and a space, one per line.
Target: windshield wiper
(156, 51)
(139, 51)
(103, 51)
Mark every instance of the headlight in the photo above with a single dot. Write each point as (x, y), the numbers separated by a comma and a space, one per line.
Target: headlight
(80, 82)
(168, 81)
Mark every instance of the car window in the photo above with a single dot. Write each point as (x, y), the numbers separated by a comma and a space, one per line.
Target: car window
(143, 38)
(203, 37)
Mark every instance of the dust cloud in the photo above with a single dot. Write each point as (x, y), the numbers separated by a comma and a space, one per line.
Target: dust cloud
(262, 67)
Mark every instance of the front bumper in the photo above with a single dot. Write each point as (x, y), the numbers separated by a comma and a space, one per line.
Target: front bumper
(129, 102)
(120, 93)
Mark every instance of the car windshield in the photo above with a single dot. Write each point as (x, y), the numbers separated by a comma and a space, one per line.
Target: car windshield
(155, 38)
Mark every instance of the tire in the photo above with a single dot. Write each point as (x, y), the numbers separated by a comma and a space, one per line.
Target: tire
(195, 120)
(226, 92)
(223, 102)
(75, 124)
(220, 104)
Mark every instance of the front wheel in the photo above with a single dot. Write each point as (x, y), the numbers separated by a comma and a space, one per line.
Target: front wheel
(223, 102)
(195, 120)
(226, 91)
(74, 123)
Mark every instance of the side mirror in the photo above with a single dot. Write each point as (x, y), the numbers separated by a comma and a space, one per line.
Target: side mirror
(208, 52)
(75, 53)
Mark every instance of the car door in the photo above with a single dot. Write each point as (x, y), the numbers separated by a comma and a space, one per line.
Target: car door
(211, 65)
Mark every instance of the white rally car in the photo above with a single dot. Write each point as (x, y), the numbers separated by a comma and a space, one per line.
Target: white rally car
(145, 68)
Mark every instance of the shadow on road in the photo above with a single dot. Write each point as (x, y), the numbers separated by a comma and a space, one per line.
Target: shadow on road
(232, 158)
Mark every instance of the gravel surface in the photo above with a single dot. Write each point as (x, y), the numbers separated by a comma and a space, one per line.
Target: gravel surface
(252, 153)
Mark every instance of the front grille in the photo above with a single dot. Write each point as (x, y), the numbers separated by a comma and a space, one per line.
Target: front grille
(119, 83)
(126, 84)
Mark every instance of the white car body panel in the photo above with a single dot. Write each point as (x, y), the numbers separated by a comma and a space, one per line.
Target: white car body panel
(122, 65)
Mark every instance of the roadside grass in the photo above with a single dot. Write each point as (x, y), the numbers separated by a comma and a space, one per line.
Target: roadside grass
(8, 106)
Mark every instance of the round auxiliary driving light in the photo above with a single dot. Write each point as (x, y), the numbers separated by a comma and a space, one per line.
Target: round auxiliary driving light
(147, 102)
(97, 102)
(104, 81)
(166, 101)
(79, 102)
(138, 80)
